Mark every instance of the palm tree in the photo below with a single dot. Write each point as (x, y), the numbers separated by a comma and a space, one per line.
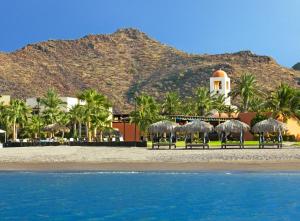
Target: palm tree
(203, 101)
(96, 105)
(17, 114)
(188, 107)
(77, 117)
(64, 120)
(146, 113)
(32, 126)
(219, 103)
(247, 89)
(171, 104)
(5, 122)
(257, 105)
(100, 121)
(229, 110)
(53, 105)
(295, 103)
(285, 102)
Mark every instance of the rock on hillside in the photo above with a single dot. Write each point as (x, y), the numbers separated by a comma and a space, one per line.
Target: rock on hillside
(123, 64)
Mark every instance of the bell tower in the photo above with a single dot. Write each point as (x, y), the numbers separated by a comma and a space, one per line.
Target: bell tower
(220, 84)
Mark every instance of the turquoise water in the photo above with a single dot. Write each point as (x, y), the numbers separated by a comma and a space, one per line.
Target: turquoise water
(149, 196)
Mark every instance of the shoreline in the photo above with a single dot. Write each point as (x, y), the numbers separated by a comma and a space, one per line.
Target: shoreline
(153, 166)
(66, 158)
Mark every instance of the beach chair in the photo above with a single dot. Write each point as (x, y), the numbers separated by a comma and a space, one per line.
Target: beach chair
(232, 140)
(204, 143)
(157, 142)
(270, 141)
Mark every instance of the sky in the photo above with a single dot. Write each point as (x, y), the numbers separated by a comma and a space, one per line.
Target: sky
(266, 27)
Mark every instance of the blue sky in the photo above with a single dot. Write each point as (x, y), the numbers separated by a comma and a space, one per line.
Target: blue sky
(266, 27)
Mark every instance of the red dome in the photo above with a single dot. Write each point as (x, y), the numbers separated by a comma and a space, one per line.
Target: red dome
(219, 73)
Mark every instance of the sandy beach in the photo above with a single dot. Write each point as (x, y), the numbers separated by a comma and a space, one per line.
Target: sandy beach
(140, 159)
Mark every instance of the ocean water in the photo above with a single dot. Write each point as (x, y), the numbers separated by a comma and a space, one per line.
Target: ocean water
(149, 196)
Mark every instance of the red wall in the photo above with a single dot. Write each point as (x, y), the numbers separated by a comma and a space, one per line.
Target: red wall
(127, 130)
(246, 118)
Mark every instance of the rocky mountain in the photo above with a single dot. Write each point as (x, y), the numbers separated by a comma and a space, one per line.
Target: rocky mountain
(296, 66)
(123, 64)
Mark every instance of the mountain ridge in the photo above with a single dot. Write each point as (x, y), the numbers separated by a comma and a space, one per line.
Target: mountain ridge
(124, 63)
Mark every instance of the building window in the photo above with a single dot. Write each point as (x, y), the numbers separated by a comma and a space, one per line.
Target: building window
(227, 85)
(217, 85)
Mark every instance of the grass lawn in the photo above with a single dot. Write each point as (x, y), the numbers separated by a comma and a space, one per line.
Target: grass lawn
(211, 143)
(296, 144)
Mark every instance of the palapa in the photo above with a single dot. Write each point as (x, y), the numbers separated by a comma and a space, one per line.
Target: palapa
(163, 126)
(196, 126)
(56, 127)
(269, 126)
(232, 126)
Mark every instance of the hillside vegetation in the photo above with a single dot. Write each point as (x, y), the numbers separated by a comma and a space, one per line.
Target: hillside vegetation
(122, 64)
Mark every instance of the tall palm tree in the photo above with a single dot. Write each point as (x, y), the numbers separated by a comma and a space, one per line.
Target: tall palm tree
(203, 101)
(53, 105)
(257, 105)
(285, 102)
(77, 117)
(246, 88)
(100, 122)
(146, 113)
(64, 120)
(96, 104)
(5, 121)
(295, 103)
(171, 103)
(17, 113)
(188, 107)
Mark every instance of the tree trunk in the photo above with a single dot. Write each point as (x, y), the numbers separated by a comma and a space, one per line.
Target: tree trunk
(100, 136)
(95, 133)
(79, 129)
(14, 130)
(74, 130)
(89, 132)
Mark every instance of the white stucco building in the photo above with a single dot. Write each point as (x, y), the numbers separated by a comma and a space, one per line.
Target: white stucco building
(220, 84)
(70, 102)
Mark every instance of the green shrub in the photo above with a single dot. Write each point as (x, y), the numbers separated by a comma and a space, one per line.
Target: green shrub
(258, 118)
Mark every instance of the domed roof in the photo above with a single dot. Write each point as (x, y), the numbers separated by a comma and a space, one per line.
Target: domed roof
(219, 73)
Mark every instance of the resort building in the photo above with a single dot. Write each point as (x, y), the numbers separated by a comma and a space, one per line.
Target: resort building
(220, 84)
(5, 99)
(129, 131)
(70, 102)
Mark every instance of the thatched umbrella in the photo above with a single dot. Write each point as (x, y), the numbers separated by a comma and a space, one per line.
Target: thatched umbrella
(196, 126)
(56, 127)
(269, 126)
(53, 128)
(232, 126)
(163, 126)
(50, 128)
